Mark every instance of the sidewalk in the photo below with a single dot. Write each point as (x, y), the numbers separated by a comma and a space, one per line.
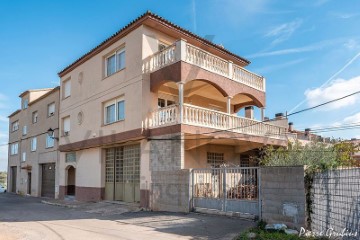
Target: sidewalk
(105, 208)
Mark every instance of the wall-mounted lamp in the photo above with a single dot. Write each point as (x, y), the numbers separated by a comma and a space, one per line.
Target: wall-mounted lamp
(50, 132)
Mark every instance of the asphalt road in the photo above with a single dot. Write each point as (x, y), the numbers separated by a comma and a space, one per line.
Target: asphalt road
(28, 218)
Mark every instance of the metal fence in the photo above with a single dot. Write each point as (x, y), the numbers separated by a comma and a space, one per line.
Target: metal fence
(336, 202)
(226, 189)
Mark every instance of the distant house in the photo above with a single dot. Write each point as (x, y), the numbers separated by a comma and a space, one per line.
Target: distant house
(33, 154)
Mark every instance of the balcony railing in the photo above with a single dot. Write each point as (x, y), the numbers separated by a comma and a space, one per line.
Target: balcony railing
(202, 117)
(183, 51)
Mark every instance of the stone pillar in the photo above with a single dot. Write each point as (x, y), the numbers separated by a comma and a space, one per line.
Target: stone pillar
(228, 104)
(180, 50)
(262, 114)
(181, 101)
(249, 112)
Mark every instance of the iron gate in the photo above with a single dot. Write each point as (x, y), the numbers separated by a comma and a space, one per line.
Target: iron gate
(227, 189)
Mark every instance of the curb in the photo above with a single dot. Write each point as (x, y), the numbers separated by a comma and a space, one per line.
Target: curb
(58, 204)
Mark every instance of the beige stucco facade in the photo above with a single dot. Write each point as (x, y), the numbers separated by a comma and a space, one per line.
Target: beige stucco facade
(92, 141)
(28, 176)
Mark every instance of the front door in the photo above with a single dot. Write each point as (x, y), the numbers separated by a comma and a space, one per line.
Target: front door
(48, 180)
(13, 179)
(122, 176)
(29, 184)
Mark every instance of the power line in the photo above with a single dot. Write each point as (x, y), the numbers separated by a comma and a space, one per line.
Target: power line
(322, 104)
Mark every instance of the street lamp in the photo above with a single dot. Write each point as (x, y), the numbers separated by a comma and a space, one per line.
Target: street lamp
(50, 132)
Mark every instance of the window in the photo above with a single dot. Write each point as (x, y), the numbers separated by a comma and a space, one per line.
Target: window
(51, 109)
(14, 148)
(115, 62)
(24, 130)
(70, 157)
(25, 103)
(23, 158)
(33, 143)
(244, 161)
(15, 126)
(164, 103)
(66, 126)
(114, 111)
(162, 46)
(215, 160)
(66, 88)
(50, 140)
(34, 117)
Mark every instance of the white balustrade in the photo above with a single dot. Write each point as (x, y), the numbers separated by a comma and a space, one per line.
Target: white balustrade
(208, 61)
(205, 60)
(203, 117)
(160, 59)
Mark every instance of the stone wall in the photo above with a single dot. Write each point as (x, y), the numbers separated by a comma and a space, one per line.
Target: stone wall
(170, 191)
(336, 201)
(283, 196)
(169, 183)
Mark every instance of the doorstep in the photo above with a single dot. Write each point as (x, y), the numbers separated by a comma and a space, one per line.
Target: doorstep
(245, 216)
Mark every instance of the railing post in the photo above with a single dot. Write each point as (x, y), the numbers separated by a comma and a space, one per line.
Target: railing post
(180, 50)
(264, 84)
(230, 69)
(224, 190)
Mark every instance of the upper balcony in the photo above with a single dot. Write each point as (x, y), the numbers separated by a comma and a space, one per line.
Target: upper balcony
(185, 52)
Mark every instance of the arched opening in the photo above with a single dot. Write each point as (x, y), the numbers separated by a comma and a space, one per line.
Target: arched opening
(205, 94)
(70, 187)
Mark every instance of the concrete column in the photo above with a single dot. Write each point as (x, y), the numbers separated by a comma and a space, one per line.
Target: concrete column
(228, 104)
(249, 112)
(262, 114)
(181, 101)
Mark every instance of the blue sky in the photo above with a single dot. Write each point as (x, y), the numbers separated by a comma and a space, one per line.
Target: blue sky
(307, 50)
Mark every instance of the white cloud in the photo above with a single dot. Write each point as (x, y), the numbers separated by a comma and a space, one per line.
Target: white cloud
(277, 67)
(352, 44)
(284, 31)
(344, 15)
(3, 119)
(353, 118)
(309, 48)
(335, 89)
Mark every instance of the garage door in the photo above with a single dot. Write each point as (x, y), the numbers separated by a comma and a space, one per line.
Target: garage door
(48, 180)
(122, 176)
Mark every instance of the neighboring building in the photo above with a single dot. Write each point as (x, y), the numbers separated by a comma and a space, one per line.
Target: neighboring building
(33, 153)
(155, 99)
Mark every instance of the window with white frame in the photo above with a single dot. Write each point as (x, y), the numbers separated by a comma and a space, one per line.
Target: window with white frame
(15, 126)
(115, 62)
(33, 144)
(51, 109)
(50, 140)
(114, 110)
(35, 117)
(25, 103)
(14, 148)
(24, 130)
(66, 125)
(66, 88)
(215, 160)
(23, 157)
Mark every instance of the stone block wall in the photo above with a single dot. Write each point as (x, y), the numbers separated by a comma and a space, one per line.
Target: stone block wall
(283, 196)
(170, 191)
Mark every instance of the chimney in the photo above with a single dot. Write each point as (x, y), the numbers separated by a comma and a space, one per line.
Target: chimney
(249, 112)
(291, 126)
(279, 116)
(307, 132)
(266, 119)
